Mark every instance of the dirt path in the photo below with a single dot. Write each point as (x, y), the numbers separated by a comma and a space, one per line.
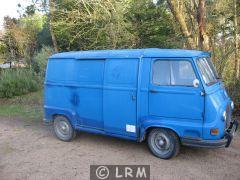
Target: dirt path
(29, 150)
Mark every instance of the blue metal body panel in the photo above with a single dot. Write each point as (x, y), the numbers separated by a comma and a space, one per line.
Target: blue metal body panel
(216, 102)
(109, 92)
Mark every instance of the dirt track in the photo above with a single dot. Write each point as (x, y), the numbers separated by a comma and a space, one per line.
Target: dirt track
(29, 150)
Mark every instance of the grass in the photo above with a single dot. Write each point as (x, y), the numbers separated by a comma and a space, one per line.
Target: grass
(29, 107)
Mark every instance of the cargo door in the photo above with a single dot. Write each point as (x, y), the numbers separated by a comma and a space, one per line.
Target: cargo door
(88, 93)
(119, 96)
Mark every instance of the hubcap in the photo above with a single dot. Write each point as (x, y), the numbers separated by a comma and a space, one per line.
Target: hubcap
(63, 128)
(161, 143)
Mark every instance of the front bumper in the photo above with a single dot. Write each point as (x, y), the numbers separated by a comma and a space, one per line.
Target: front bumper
(224, 142)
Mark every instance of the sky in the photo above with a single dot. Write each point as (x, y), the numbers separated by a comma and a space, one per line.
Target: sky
(9, 7)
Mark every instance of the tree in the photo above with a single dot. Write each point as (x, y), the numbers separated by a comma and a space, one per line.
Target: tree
(12, 49)
(236, 44)
(51, 12)
(44, 37)
(191, 7)
(27, 34)
(82, 24)
(3, 52)
(153, 25)
(178, 14)
(203, 41)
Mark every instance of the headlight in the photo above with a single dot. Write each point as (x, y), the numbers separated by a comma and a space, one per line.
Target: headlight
(232, 105)
(224, 115)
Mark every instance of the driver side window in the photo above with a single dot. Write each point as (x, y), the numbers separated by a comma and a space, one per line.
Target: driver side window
(173, 73)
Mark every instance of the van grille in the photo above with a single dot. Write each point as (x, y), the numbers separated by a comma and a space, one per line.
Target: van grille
(228, 114)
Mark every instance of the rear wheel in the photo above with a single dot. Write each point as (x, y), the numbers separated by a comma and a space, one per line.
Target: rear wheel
(163, 143)
(63, 128)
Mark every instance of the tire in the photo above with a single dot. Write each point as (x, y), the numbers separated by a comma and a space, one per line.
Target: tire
(63, 128)
(163, 143)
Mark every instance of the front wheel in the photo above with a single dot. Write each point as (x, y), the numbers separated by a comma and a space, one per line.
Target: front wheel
(63, 128)
(163, 143)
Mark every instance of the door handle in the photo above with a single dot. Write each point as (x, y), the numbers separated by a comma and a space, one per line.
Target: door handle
(133, 97)
(153, 91)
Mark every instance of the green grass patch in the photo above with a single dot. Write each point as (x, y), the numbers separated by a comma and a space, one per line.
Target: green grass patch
(27, 107)
(23, 111)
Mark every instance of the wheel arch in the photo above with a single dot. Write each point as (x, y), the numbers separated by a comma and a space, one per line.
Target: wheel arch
(67, 116)
(52, 112)
(168, 137)
(146, 130)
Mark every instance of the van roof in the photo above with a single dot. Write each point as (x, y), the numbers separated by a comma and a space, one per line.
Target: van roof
(129, 53)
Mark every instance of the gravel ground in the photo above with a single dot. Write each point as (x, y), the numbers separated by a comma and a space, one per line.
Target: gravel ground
(29, 150)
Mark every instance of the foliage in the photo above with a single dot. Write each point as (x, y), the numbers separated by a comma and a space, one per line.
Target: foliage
(3, 48)
(232, 84)
(15, 82)
(3, 52)
(40, 60)
(80, 25)
(221, 32)
(153, 25)
(10, 48)
(44, 36)
(20, 36)
(29, 27)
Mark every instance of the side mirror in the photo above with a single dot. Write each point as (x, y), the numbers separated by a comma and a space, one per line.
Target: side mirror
(195, 83)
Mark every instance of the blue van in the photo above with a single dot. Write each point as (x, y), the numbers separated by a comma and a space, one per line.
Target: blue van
(165, 96)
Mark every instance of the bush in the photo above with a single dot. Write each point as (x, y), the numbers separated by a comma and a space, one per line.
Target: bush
(40, 60)
(231, 83)
(234, 93)
(15, 82)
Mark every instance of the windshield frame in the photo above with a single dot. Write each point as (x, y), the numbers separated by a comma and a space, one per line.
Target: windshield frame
(207, 70)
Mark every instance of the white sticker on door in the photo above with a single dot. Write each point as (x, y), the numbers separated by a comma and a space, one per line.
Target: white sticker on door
(130, 128)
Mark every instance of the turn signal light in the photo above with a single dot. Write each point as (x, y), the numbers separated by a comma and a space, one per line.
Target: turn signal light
(215, 131)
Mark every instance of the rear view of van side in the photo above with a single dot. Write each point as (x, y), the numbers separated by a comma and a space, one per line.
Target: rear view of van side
(167, 97)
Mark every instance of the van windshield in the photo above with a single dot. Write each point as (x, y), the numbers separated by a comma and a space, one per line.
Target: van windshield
(207, 70)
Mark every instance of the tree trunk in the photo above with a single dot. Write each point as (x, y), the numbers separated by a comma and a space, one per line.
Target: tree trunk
(236, 61)
(213, 48)
(203, 39)
(51, 9)
(178, 15)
